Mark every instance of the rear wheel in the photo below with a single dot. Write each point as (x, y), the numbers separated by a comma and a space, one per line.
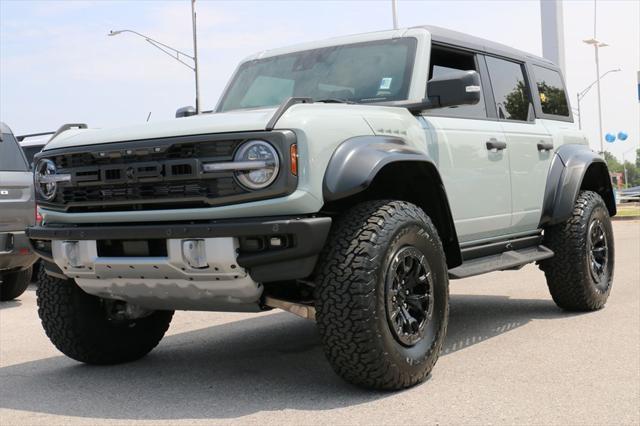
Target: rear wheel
(580, 274)
(382, 298)
(14, 284)
(94, 330)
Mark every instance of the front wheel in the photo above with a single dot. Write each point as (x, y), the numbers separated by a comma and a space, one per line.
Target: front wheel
(382, 295)
(89, 329)
(580, 274)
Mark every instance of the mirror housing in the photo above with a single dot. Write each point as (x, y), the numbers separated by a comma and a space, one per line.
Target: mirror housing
(186, 111)
(452, 89)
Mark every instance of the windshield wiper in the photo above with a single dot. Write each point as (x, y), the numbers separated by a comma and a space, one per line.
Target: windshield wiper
(334, 101)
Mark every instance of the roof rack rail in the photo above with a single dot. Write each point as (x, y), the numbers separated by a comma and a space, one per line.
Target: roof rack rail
(68, 126)
(32, 135)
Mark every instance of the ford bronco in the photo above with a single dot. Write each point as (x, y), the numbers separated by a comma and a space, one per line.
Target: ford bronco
(345, 181)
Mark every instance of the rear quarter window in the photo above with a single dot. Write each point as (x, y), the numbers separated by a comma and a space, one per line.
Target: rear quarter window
(553, 99)
(11, 156)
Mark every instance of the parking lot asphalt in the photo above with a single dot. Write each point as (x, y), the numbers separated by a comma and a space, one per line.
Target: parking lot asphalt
(511, 357)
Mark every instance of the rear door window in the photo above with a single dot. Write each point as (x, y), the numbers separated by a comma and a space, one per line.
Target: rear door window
(11, 156)
(553, 98)
(510, 89)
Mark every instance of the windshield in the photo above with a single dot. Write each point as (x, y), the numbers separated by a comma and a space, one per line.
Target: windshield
(376, 71)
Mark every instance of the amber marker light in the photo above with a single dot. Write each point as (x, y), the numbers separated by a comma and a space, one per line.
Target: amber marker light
(293, 158)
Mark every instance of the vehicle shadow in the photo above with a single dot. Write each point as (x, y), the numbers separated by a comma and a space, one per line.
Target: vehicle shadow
(17, 301)
(265, 364)
(10, 304)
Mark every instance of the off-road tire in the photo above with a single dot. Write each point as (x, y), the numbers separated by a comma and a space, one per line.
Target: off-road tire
(570, 280)
(36, 267)
(77, 324)
(350, 295)
(14, 284)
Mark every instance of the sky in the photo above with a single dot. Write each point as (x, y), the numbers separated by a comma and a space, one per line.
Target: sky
(57, 64)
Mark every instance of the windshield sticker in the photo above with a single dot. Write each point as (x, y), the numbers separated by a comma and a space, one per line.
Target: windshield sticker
(385, 83)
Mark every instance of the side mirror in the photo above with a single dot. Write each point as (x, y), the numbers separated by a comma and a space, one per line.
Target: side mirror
(452, 89)
(185, 112)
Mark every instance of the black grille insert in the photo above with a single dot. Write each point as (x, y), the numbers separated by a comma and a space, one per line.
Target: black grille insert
(133, 248)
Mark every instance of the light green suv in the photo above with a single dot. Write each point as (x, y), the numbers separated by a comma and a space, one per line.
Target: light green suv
(345, 181)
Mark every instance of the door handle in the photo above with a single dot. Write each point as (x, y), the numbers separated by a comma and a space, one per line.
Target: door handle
(494, 145)
(545, 146)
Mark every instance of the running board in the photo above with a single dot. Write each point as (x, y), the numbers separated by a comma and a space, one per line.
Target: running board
(512, 259)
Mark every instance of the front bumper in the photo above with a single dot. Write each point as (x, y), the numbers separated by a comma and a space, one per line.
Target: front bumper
(239, 255)
(304, 239)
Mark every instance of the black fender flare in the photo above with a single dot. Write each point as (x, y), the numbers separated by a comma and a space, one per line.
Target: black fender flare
(356, 163)
(566, 176)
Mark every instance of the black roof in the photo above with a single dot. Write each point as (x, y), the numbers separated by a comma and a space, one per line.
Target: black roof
(446, 36)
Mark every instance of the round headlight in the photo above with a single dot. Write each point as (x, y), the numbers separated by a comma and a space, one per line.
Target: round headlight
(266, 164)
(45, 187)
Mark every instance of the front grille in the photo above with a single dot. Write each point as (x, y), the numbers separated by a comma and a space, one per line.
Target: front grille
(215, 150)
(159, 173)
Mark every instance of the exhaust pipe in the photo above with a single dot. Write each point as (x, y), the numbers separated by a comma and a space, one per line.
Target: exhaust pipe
(304, 311)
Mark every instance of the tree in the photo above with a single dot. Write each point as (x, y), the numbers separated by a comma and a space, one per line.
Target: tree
(633, 174)
(612, 163)
(516, 102)
(553, 99)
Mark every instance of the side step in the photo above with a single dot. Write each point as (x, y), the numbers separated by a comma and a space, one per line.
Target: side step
(511, 259)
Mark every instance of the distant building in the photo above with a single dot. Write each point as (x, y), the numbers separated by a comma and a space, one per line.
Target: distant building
(617, 180)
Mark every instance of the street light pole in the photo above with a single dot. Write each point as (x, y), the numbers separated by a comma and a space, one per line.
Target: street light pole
(176, 54)
(582, 94)
(597, 45)
(195, 55)
(394, 12)
(599, 101)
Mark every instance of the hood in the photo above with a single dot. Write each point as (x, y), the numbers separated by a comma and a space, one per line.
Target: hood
(232, 121)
